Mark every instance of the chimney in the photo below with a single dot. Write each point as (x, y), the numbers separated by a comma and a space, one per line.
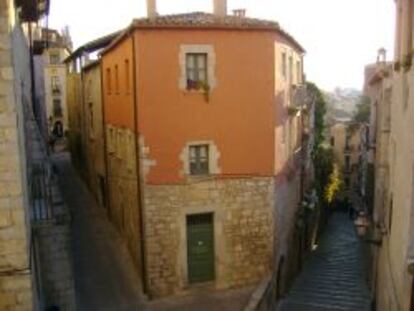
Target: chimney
(220, 8)
(239, 12)
(152, 9)
(382, 56)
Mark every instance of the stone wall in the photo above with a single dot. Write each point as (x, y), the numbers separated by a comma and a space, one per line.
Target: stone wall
(15, 272)
(243, 231)
(124, 206)
(93, 133)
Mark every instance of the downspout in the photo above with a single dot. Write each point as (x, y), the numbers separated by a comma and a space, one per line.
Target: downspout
(105, 143)
(138, 171)
(32, 75)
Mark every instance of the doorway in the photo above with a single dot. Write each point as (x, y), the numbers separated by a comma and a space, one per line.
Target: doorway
(200, 248)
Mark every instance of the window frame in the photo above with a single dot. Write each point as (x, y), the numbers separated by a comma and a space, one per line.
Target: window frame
(127, 77)
(284, 64)
(60, 114)
(116, 79)
(108, 81)
(202, 162)
(196, 70)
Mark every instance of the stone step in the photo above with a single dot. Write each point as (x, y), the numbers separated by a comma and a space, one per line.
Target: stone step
(331, 293)
(336, 277)
(296, 306)
(350, 286)
(330, 303)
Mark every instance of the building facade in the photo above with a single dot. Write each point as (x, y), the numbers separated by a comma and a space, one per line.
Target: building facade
(193, 179)
(35, 259)
(390, 90)
(345, 140)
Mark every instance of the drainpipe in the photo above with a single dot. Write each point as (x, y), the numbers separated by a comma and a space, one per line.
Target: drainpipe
(138, 170)
(105, 142)
(32, 76)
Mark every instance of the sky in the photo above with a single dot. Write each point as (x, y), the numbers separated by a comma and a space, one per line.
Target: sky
(340, 36)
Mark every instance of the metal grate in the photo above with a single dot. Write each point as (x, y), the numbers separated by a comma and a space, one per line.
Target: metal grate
(200, 219)
(41, 193)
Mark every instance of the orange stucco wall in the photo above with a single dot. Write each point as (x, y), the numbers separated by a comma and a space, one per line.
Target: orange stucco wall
(240, 116)
(119, 109)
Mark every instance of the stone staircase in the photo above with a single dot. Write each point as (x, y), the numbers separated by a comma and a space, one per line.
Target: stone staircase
(334, 278)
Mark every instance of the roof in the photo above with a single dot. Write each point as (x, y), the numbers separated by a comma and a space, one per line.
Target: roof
(203, 20)
(91, 64)
(94, 45)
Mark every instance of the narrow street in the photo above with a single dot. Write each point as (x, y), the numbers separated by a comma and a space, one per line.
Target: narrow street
(334, 278)
(105, 277)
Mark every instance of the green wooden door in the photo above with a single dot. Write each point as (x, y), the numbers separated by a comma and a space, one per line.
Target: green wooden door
(200, 248)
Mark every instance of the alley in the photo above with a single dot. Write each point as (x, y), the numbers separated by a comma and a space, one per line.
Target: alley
(105, 278)
(334, 278)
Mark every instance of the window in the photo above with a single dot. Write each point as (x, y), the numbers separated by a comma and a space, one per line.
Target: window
(57, 108)
(55, 83)
(111, 140)
(54, 58)
(108, 81)
(116, 80)
(291, 68)
(347, 183)
(299, 72)
(347, 162)
(284, 64)
(91, 117)
(332, 141)
(196, 69)
(127, 79)
(199, 155)
(130, 151)
(119, 144)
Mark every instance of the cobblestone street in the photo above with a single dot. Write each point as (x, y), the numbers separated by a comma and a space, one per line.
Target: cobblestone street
(105, 277)
(334, 278)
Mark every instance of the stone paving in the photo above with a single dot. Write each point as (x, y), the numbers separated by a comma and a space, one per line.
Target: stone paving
(334, 277)
(105, 277)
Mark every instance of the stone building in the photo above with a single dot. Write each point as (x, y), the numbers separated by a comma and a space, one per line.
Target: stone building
(391, 91)
(49, 48)
(85, 115)
(203, 192)
(345, 140)
(35, 259)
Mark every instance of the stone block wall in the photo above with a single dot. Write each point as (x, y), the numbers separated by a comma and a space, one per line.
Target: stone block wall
(243, 231)
(15, 273)
(124, 206)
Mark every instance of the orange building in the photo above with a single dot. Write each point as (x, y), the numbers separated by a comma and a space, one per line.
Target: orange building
(200, 102)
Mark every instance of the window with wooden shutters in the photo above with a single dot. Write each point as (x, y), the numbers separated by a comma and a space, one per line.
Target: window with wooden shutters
(199, 158)
(57, 108)
(196, 68)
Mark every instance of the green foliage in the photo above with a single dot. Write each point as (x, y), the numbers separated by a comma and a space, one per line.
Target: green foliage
(334, 185)
(323, 157)
(362, 115)
(323, 160)
(320, 110)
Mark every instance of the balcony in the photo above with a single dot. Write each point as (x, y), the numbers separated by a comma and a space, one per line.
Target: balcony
(56, 90)
(299, 95)
(32, 10)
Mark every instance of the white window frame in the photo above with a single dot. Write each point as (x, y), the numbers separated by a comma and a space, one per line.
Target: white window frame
(211, 63)
(213, 158)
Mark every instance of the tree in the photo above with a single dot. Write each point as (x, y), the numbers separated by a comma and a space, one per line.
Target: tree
(363, 112)
(320, 111)
(334, 185)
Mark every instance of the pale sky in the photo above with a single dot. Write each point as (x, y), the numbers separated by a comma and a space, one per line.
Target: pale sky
(340, 36)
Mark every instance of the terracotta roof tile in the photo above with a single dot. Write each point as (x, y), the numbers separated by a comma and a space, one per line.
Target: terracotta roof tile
(206, 20)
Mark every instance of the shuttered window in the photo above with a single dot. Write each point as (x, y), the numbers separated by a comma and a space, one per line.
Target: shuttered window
(199, 156)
